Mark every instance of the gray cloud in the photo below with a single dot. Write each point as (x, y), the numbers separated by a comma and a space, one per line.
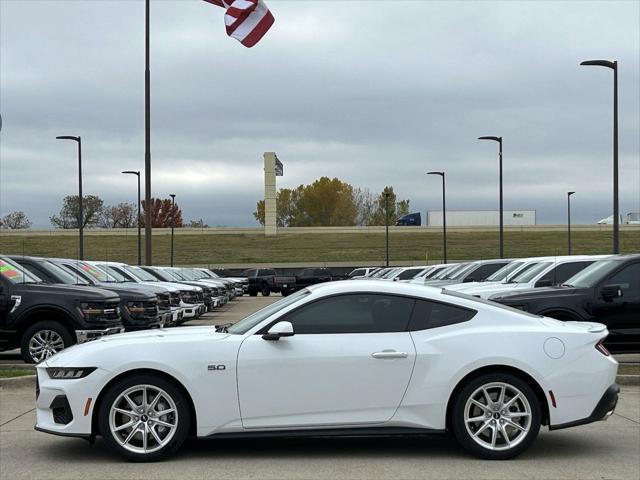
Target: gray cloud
(376, 93)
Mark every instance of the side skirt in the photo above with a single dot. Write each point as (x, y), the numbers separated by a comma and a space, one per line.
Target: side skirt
(329, 432)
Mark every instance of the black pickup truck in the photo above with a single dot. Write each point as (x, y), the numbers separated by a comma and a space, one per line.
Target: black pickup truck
(607, 291)
(261, 280)
(139, 304)
(307, 277)
(43, 319)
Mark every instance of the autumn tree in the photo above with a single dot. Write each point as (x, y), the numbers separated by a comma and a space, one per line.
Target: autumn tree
(332, 202)
(69, 216)
(161, 213)
(15, 221)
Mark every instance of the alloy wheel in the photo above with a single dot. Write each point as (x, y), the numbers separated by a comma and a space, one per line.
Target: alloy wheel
(44, 344)
(497, 416)
(143, 419)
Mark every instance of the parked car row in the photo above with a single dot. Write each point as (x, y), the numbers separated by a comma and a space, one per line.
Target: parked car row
(48, 304)
(597, 288)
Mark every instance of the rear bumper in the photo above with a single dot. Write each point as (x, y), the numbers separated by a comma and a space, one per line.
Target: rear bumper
(604, 409)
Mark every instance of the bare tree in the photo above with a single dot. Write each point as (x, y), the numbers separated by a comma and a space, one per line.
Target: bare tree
(122, 215)
(15, 221)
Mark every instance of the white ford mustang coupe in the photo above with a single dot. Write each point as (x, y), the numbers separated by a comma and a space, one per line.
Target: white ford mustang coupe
(341, 358)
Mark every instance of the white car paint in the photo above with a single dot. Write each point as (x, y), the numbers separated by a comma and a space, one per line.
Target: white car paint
(339, 380)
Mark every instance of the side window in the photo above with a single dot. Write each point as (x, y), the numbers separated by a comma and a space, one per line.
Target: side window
(357, 273)
(353, 313)
(428, 314)
(487, 270)
(37, 272)
(563, 272)
(629, 280)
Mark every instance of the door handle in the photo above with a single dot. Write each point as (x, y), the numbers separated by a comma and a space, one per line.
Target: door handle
(389, 354)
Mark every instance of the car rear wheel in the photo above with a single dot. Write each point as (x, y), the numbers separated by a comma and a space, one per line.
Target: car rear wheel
(44, 339)
(496, 416)
(266, 291)
(144, 418)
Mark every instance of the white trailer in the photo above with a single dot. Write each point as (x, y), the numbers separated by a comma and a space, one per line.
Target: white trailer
(481, 218)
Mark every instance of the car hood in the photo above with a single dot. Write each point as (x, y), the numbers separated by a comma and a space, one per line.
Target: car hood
(538, 293)
(72, 291)
(163, 338)
(132, 292)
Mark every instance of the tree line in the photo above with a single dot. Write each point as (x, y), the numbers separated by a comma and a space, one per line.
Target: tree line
(332, 202)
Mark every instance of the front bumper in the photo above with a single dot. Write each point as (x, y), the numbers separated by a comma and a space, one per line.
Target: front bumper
(87, 335)
(604, 409)
(61, 405)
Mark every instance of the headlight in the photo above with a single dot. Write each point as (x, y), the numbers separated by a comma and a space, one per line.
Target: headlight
(135, 308)
(61, 373)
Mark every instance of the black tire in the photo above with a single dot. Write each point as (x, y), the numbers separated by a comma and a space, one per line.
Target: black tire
(183, 417)
(41, 328)
(252, 293)
(266, 291)
(522, 439)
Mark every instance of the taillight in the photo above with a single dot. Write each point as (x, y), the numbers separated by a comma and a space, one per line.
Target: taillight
(602, 349)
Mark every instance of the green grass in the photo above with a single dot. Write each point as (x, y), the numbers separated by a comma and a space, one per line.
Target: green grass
(15, 372)
(207, 249)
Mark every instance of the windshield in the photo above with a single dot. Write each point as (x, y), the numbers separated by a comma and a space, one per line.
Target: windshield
(503, 272)
(446, 272)
(112, 274)
(463, 271)
(254, 319)
(409, 273)
(380, 272)
(531, 273)
(162, 275)
(175, 275)
(15, 273)
(79, 279)
(391, 273)
(139, 273)
(189, 274)
(63, 275)
(593, 274)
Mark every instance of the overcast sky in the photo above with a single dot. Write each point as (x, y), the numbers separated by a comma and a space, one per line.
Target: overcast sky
(375, 93)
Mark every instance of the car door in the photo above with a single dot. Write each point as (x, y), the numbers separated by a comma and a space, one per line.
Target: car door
(621, 315)
(349, 362)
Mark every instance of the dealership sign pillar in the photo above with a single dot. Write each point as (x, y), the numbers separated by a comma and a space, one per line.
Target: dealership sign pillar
(272, 169)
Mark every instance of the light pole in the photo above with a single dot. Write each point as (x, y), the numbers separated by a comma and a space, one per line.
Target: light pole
(147, 142)
(80, 206)
(569, 222)
(137, 173)
(499, 140)
(173, 218)
(444, 215)
(616, 212)
(386, 223)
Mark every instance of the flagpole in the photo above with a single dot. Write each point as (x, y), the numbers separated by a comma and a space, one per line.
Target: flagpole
(147, 144)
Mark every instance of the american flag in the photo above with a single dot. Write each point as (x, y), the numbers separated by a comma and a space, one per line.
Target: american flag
(246, 20)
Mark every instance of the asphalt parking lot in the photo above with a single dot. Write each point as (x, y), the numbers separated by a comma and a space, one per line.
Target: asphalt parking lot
(601, 450)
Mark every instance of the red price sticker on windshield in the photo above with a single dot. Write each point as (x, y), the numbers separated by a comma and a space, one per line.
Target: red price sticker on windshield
(8, 271)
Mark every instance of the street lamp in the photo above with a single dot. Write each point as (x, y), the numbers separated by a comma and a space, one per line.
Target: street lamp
(569, 222)
(387, 194)
(616, 211)
(499, 140)
(80, 206)
(444, 215)
(173, 218)
(137, 173)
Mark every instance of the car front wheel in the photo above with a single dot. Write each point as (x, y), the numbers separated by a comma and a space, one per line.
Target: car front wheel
(144, 418)
(44, 339)
(496, 416)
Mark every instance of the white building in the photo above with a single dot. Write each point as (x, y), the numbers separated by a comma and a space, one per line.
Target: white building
(481, 218)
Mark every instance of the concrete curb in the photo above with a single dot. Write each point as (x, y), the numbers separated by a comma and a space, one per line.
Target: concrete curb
(26, 381)
(628, 379)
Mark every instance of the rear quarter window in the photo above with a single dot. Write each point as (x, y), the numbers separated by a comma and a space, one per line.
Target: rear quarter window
(429, 314)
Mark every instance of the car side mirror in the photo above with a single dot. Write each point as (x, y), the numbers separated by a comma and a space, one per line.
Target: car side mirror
(544, 283)
(280, 329)
(610, 292)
